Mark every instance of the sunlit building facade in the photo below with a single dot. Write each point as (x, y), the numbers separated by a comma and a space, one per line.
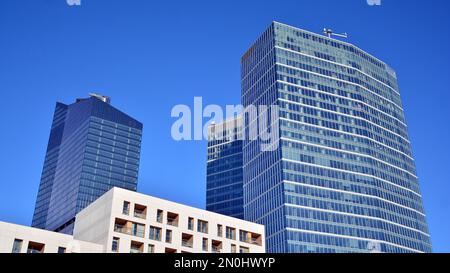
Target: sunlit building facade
(129, 222)
(343, 178)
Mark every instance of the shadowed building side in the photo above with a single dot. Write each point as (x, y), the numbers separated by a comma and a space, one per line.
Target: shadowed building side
(92, 148)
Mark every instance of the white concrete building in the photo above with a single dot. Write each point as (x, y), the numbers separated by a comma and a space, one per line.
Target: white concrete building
(22, 239)
(125, 221)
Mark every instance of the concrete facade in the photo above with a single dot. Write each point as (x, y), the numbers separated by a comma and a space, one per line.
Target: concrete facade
(125, 221)
(21, 239)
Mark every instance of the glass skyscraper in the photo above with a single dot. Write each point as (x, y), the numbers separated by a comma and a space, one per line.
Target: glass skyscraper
(343, 178)
(92, 148)
(224, 178)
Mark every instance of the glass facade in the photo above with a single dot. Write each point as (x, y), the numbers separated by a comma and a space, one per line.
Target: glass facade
(224, 179)
(92, 148)
(343, 178)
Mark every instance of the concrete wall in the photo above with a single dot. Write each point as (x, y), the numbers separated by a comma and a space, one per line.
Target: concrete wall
(51, 240)
(94, 224)
(111, 206)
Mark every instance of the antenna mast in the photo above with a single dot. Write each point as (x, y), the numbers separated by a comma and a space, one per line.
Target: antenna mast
(328, 32)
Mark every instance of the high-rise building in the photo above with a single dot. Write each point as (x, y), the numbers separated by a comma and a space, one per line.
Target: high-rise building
(92, 148)
(224, 189)
(343, 178)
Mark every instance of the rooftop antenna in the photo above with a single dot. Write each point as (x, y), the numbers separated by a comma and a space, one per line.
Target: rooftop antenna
(101, 97)
(330, 33)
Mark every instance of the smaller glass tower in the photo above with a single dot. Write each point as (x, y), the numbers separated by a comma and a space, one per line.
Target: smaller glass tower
(224, 182)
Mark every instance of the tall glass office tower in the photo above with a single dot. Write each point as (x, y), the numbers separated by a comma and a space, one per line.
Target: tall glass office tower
(92, 148)
(343, 178)
(224, 178)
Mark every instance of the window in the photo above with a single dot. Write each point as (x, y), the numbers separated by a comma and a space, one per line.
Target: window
(159, 216)
(216, 246)
(138, 229)
(136, 247)
(151, 248)
(187, 240)
(128, 227)
(172, 219)
(170, 250)
(255, 238)
(191, 223)
(34, 247)
(205, 244)
(243, 236)
(155, 233)
(140, 211)
(233, 248)
(61, 249)
(219, 230)
(231, 233)
(17, 246)
(244, 250)
(202, 226)
(168, 236)
(126, 208)
(115, 244)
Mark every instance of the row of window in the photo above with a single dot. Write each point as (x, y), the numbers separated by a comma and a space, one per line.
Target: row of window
(346, 143)
(33, 247)
(172, 219)
(387, 210)
(333, 70)
(187, 241)
(318, 41)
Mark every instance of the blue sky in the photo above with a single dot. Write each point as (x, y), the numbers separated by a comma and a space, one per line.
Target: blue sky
(151, 55)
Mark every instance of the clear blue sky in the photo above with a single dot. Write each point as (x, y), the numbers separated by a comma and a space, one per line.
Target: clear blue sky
(150, 55)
